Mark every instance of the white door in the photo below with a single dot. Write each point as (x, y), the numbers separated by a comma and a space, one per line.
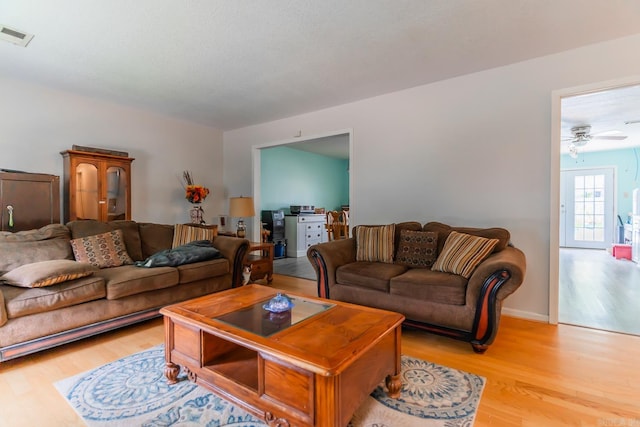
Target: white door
(587, 203)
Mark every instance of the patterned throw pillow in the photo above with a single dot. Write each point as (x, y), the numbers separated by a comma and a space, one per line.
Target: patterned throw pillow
(417, 249)
(375, 243)
(185, 233)
(462, 253)
(47, 273)
(102, 250)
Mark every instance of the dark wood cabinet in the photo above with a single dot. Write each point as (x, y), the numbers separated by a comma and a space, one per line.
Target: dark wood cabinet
(96, 186)
(29, 200)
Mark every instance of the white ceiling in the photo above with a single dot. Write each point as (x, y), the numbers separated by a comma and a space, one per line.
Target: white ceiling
(336, 146)
(234, 63)
(614, 112)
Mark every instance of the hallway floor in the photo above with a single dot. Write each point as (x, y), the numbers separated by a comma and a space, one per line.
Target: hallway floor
(296, 267)
(599, 291)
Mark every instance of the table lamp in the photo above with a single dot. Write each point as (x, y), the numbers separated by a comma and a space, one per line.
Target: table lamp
(241, 207)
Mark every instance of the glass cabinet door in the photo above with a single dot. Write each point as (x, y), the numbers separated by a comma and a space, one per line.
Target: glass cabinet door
(116, 193)
(87, 194)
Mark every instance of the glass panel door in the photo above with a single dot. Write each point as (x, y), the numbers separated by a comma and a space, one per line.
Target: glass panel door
(87, 194)
(116, 193)
(587, 208)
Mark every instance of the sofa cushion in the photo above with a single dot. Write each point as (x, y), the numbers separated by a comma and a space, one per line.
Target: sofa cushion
(443, 231)
(374, 243)
(186, 233)
(102, 250)
(417, 249)
(91, 227)
(202, 270)
(47, 273)
(462, 253)
(433, 286)
(22, 301)
(373, 275)
(130, 280)
(155, 238)
(26, 247)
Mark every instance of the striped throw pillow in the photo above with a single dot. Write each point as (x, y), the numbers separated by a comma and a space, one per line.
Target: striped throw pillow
(462, 253)
(375, 243)
(185, 233)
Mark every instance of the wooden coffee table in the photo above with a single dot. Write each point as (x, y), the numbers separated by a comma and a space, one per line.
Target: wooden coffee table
(312, 366)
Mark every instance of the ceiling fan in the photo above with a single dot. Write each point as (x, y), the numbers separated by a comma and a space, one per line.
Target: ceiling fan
(582, 135)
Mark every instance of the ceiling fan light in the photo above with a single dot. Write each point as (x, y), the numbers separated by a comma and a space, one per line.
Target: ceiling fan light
(573, 151)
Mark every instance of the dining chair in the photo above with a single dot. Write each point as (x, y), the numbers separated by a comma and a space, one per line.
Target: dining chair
(337, 225)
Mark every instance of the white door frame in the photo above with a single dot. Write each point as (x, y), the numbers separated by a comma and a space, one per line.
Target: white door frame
(554, 205)
(255, 161)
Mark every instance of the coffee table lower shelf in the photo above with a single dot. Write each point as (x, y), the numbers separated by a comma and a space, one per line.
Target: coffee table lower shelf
(281, 389)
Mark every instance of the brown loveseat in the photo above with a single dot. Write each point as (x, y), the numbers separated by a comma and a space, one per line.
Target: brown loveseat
(36, 318)
(441, 302)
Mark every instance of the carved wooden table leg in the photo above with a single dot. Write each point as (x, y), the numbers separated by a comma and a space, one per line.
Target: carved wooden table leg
(171, 371)
(394, 385)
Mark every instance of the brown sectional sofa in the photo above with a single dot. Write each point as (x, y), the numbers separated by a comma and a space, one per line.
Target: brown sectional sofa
(33, 319)
(439, 302)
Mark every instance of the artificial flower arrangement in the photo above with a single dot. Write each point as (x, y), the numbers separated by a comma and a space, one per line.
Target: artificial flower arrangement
(194, 193)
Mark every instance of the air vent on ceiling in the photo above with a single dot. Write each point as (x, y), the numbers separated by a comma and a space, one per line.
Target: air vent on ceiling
(14, 36)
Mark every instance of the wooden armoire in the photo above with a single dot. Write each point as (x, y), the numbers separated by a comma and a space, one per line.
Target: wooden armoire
(28, 200)
(96, 186)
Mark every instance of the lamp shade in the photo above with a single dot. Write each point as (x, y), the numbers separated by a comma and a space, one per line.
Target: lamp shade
(241, 207)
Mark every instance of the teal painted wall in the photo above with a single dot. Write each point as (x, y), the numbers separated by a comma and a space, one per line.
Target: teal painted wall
(627, 175)
(294, 177)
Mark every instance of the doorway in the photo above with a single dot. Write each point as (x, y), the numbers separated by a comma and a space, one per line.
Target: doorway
(588, 201)
(336, 144)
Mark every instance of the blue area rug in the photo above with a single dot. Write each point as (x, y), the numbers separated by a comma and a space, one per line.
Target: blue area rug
(134, 392)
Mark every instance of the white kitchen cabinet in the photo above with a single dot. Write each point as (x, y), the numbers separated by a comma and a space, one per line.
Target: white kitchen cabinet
(303, 231)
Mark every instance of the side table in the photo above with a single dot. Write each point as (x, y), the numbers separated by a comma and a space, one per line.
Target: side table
(260, 257)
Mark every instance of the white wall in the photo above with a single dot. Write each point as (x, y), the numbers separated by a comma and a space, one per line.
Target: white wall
(469, 151)
(37, 123)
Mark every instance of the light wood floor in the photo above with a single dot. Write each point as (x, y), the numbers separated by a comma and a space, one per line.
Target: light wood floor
(537, 375)
(599, 291)
(296, 267)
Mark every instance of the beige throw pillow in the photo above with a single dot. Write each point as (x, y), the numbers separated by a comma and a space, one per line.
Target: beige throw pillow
(375, 243)
(47, 273)
(462, 253)
(102, 250)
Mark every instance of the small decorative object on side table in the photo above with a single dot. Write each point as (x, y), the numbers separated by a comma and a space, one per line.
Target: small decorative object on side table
(260, 258)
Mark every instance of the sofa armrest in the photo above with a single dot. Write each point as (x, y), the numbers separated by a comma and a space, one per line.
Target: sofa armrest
(327, 257)
(233, 249)
(497, 277)
(511, 260)
(3, 310)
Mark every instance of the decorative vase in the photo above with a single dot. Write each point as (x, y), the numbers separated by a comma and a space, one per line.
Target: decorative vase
(196, 213)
